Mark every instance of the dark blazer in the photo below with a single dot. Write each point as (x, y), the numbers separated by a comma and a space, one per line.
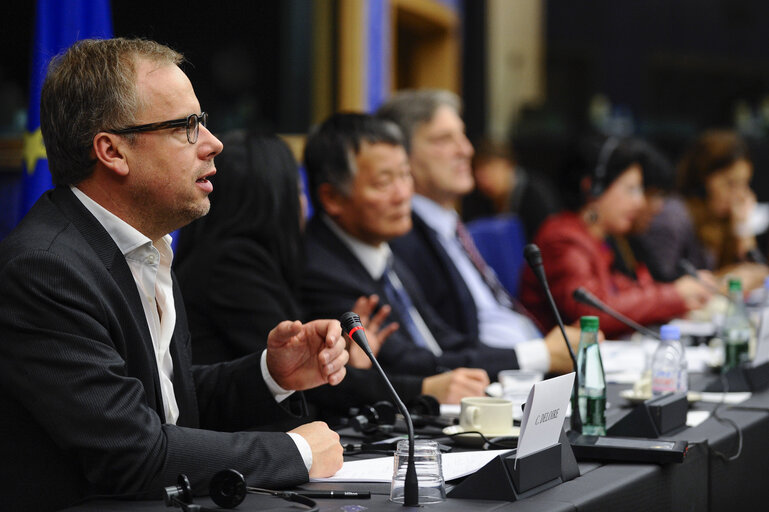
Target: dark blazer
(443, 286)
(81, 405)
(334, 278)
(235, 293)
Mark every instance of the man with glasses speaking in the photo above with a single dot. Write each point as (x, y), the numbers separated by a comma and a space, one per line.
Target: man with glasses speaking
(97, 392)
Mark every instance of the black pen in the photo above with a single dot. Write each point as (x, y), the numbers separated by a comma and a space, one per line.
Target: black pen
(335, 494)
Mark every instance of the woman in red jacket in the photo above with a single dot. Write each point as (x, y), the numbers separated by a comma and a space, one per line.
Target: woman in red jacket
(605, 184)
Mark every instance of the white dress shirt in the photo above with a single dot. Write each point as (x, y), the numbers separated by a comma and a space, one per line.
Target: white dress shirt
(151, 269)
(498, 325)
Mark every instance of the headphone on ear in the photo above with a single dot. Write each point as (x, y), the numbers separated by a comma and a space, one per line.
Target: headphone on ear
(599, 173)
(227, 489)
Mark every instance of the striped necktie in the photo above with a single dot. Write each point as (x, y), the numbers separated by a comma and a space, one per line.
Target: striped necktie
(410, 318)
(489, 276)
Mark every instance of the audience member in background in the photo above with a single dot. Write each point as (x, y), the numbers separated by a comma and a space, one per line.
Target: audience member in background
(361, 185)
(710, 227)
(633, 248)
(607, 196)
(456, 281)
(240, 268)
(502, 186)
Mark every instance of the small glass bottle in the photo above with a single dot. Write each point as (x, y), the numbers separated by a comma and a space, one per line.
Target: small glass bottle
(737, 329)
(592, 381)
(669, 368)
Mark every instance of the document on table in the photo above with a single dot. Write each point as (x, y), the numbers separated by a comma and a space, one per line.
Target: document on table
(455, 465)
(727, 398)
(625, 361)
(694, 418)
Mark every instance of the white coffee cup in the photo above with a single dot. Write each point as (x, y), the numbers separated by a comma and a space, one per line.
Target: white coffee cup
(487, 415)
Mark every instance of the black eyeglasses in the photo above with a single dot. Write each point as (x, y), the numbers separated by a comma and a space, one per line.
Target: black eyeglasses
(192, 122)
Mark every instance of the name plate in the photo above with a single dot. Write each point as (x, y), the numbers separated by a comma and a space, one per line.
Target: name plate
(544, 414)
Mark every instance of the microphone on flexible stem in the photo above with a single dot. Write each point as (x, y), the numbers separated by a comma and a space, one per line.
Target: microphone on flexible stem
(691, 270)
(534, 259)
(353, 328)
(757, 256)
(585, 297)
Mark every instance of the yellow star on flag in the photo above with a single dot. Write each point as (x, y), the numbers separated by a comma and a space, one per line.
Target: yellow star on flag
(34, 149)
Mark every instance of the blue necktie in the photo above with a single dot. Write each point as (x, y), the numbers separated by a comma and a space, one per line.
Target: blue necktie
(401, 302)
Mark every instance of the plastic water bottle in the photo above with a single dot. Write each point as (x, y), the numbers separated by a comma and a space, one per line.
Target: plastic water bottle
(761, 303)
(737, 329)
(669, 368)
(592, 381)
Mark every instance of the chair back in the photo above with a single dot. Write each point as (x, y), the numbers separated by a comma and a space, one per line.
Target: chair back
(501, 240)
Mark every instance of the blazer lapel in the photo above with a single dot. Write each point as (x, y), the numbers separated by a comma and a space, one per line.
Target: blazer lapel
(457, 284)
(108, 252)
(184, 381)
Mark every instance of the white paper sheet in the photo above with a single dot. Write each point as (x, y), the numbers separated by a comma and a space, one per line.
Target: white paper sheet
(625, 361)
(694, 418)
(455, 465)
(730, 398)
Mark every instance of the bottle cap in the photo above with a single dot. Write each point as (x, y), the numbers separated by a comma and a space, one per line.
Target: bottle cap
(735, 285)
(670, 332)
(589, 323)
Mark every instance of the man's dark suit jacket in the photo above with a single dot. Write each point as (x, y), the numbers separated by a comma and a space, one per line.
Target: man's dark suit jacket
(443, 286)
(334, 278)
(235, 293)
(81, 404)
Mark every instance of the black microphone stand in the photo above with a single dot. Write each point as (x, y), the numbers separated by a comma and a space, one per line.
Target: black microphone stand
(690, 270)
(534, 259)
(350, 321)
(585, 297)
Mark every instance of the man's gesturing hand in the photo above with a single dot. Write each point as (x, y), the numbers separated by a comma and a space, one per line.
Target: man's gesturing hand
(304, 356)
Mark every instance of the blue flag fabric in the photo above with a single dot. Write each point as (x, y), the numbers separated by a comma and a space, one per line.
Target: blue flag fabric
(58, 24)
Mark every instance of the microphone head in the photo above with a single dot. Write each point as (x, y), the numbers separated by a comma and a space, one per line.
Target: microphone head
(532, 255)
(687, 267)
(349, 322)
(582, 295)
(585, 297)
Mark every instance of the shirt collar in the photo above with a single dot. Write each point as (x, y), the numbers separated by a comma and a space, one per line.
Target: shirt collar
(373, 258)
(125, 236)
(442, 220)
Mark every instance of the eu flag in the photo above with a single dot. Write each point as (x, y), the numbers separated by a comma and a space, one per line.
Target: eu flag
(58, 24)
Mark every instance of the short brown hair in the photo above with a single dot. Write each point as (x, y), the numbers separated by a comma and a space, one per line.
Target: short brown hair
(89, 88)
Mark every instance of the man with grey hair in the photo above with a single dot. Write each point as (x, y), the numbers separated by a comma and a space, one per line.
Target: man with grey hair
(440, 253)
(97, 389)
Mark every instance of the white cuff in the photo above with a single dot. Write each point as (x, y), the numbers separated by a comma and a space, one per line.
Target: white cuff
(533, 355)
(278, 392)
(304, 449)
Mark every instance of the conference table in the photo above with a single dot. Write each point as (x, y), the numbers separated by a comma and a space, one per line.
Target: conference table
(705, 480)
